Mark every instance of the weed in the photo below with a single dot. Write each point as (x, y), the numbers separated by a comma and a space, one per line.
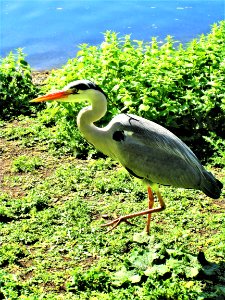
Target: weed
(179, 87)
(16, 87)
(52, 245)
(26, 164)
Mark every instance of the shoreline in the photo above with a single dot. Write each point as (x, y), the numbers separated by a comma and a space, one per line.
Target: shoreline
(38, 77)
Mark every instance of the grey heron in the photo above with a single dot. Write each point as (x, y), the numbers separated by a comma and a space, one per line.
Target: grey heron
(146, 149)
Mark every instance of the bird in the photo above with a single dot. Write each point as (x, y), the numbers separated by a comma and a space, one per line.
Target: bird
(144, 148)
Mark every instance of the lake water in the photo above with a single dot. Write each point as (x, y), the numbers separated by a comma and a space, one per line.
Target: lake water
(50, 31)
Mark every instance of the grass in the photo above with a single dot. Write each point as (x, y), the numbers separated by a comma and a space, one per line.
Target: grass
(52, 205)
(52, 245)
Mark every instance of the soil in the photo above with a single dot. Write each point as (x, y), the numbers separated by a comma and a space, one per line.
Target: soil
(38, 77)
(11, 149)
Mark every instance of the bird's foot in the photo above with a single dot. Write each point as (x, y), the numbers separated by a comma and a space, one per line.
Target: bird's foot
(116, 222)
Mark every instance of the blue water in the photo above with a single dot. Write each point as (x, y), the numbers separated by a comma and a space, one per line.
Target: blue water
(50, 31)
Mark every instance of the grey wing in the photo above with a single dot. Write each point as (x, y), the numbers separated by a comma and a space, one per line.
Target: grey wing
(150, 151)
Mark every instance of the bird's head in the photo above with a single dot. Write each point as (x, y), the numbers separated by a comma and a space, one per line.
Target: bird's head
(75, 91)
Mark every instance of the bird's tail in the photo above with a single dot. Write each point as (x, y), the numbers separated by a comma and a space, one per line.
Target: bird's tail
(210, 185)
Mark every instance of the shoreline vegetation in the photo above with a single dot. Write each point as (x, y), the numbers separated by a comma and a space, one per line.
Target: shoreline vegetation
(56, 190)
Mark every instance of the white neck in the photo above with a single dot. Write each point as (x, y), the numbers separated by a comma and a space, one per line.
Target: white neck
(88, 115)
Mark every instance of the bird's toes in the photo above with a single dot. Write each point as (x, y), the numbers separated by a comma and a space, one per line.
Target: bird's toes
(116, 222)
(128, 222)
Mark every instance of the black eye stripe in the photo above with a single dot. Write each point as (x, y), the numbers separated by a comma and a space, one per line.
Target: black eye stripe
(82, 86)
(77, 86)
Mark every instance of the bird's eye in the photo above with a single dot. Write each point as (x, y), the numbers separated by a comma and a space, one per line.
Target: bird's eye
(75, 90)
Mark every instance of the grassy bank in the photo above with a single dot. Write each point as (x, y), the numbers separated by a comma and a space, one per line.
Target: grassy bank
(53, 201)
(53, 245)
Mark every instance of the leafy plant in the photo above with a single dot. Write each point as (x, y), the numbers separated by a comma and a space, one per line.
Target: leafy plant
(9, 254)
(218, 144)
(53, 246)
(16, 87)
(26, 164)
(11, 288)
(94, 278)
(179, 87)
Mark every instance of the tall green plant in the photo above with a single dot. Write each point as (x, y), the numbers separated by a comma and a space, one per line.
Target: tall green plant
(179, 87)
(16, 87)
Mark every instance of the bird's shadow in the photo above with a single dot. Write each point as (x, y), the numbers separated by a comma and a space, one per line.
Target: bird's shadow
(213, 274)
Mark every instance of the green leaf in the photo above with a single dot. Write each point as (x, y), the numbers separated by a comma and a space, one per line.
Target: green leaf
(135, 278)
(192, 272)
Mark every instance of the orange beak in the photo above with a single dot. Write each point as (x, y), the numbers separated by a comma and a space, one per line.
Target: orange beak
(58, 96)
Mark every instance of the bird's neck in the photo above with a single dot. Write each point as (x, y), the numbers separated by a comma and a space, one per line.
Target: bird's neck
(88, 115)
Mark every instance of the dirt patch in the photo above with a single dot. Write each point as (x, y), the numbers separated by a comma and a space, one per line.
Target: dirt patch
(16, 184)
(9, 151)
(220, 203)
(39, 77)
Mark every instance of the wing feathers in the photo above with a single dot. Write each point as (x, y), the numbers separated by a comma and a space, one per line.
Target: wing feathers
(153, 152)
